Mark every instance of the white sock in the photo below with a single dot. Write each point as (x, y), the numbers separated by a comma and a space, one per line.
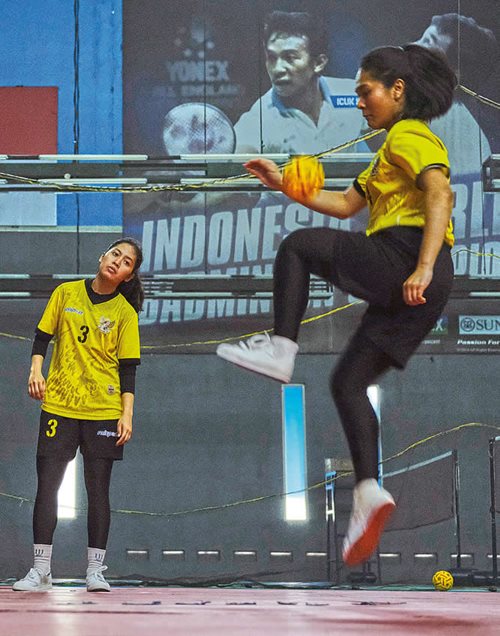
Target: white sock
(42, 557)
(96, 559)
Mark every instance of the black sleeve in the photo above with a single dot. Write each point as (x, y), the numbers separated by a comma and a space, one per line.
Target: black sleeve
(127, 369)
(41, 342)
(358, 188)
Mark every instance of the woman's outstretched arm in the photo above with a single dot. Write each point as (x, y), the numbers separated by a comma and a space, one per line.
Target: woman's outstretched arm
(341, 205)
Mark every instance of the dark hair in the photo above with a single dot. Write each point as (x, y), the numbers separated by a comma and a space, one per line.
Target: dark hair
(429, 79)
(473, 49)
(133, 289)
(297, 23)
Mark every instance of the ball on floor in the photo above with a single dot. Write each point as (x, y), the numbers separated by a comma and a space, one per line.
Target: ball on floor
(442, 580)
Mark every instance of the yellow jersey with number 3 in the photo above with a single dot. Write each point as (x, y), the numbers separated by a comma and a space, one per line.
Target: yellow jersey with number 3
(390, 183)
(83, 380)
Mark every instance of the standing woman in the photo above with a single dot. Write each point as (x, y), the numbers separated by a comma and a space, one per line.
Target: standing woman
(87, 401)
(402, 266)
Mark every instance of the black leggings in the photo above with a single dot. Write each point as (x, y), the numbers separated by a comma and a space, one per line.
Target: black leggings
(349, 260)
(50, 473)
(313, 252)
(361, 365)
(295, 262)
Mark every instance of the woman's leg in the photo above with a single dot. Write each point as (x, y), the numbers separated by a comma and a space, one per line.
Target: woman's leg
(359, 367)
(349, 260)
(300, 254)
(97, 474)
(50, 472)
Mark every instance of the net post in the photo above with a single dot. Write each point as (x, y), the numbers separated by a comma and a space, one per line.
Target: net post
(491, 453)
(456, 494)
(331, 530)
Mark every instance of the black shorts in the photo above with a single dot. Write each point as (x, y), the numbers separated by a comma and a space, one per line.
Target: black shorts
(61, 436)
(374, 268)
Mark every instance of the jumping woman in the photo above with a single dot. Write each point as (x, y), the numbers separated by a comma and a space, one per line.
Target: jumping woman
(401, 266)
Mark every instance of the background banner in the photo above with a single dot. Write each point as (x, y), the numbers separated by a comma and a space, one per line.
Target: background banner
(198, 79)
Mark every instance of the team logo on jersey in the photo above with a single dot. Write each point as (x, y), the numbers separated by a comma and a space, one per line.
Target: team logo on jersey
(111, 389)
(375, 167)
(105, 325)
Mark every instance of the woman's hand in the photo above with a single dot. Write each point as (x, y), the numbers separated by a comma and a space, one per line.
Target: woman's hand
(266, 171)
(438, 199)
(340, 205)
(36, 385)
(124, 428)
(415, 285)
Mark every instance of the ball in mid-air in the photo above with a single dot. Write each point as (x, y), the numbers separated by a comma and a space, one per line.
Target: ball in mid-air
(442, 580)
(303, 177)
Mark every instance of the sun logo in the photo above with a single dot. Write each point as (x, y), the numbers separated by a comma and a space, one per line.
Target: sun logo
(105, 325)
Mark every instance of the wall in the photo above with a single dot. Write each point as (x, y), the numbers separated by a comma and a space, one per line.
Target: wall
(37, 48)
(205, 434)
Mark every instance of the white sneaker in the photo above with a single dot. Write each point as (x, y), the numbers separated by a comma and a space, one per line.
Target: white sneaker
(372, 507)
(96, 581)
(274, 357)
(34, 581)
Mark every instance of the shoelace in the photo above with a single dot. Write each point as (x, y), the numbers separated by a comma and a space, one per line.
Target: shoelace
(255, 342)
(99, 573)
(35, 575)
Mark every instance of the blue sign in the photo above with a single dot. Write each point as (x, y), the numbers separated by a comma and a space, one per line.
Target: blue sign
(344, 101)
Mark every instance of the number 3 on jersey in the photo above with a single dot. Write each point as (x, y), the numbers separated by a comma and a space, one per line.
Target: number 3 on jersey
(52, 428)
(85, 330)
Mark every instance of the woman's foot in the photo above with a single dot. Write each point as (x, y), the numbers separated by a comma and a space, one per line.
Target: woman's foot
(272, 356)
(96, 581)
(34, 581)
(372, 507)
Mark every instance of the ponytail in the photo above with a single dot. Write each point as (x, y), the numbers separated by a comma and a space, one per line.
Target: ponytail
(430, 85)
(133, 291)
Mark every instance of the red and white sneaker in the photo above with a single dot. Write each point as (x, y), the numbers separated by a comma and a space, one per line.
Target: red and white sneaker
(272, 356)
(372, 507)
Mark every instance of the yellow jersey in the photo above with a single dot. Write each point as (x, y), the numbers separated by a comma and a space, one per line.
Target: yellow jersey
(390, 183)
(90, 339)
